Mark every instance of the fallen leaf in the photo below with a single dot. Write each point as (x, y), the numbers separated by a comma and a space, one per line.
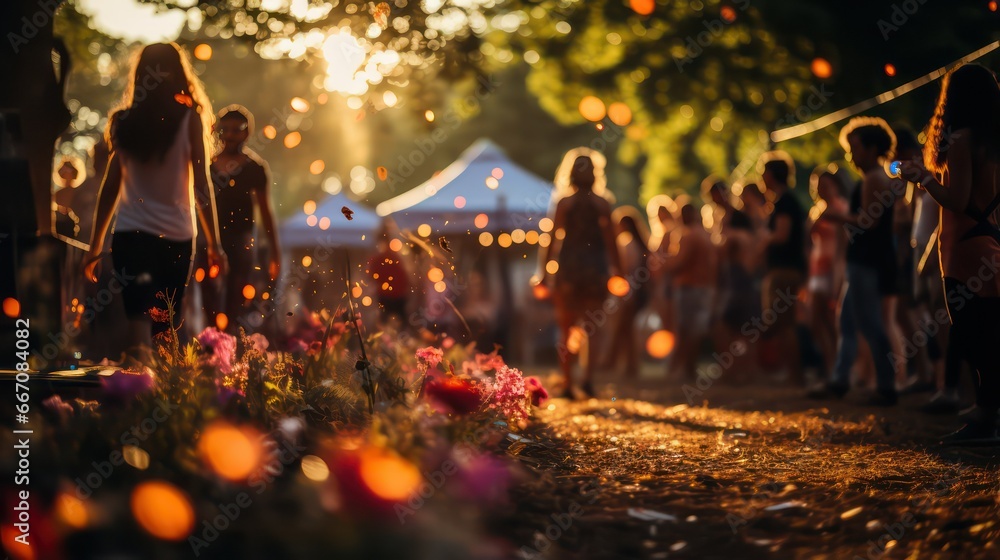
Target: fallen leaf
(347, 212)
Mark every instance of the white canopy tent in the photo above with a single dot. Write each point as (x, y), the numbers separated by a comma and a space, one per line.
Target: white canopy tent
(483, 180)
(339, 232)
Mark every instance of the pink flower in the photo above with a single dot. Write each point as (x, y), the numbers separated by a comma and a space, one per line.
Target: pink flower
(222, 347)
(259, 342)
(509, 394)
(535, 390)
(430, 356)
(491, 361)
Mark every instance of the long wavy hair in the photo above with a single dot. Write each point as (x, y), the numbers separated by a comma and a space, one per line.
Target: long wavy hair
(163, 89)
(970, 98)
(569, 170)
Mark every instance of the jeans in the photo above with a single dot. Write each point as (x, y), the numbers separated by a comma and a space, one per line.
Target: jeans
(861, 310)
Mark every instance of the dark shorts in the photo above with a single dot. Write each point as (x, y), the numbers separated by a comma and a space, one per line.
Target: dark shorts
(155, 265)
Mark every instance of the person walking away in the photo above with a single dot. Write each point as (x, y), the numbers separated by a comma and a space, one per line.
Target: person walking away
(156, 183)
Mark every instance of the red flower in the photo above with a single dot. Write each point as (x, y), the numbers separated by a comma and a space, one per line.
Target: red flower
(535, 390)
(459, 395)
(159, 315)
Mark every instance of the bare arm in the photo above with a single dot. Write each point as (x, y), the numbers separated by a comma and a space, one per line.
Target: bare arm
(107, 202)
(262, 193)
(958, 176)
(204, 191)
(610, 243)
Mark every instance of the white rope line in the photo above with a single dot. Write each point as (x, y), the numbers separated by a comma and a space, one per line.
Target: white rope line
(805, 128)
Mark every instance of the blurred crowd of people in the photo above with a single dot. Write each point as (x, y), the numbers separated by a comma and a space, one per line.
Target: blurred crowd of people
(887, 281)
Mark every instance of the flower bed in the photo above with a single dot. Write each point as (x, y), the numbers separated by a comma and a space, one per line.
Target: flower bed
(330, 442)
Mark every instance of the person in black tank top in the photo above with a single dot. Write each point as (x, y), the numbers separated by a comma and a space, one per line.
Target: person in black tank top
(242, 181)
(582, 257)
(869, 142)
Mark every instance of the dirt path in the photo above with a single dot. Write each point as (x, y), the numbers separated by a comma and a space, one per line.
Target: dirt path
(625, 478)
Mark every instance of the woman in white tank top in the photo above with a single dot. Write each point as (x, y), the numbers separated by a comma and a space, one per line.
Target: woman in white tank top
(156, 184)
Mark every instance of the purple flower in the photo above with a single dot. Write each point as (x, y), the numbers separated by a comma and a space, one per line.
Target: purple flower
(222, 347)
(126, 384)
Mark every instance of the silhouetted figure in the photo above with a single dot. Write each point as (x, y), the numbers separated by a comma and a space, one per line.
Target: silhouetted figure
(632, 239)
(242, 184)
(582, 256)
(871, 260)
(388, 272)
(157, 140)
(826, 258)
(694, 264)
(962, 173)
(786, 258)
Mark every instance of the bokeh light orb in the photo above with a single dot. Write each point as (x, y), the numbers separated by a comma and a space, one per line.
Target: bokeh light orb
(482, 220)
(618, 286)
(660, 344)
(620, 114)
(890, 70)
(642, 7)
(162, 510)
(388, 475)
(592, 108)
(11, 307)
(249, 291)
(221, 321)
(231, 452)
(821, 68)
(203, 52)
(728, 14)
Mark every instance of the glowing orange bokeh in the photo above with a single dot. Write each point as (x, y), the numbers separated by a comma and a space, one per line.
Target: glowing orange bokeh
(17, 550)
(660, 344)
(203, 52)
(821, 68)
(383, 173)
(642, 7)
(162, 510)
(221, 321)
(728, 14)
(890, 70)
(618, 286)
(482, 220)
(213, 271)
(232, 453)
(540, 291)
(620, 114)
(71, 510)
(11, 307)
(292, 139)
(317, 167)
(592, 108)
(249, 291)
(199, 275)
(574, 341)
(992, 6)
(388, 475)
